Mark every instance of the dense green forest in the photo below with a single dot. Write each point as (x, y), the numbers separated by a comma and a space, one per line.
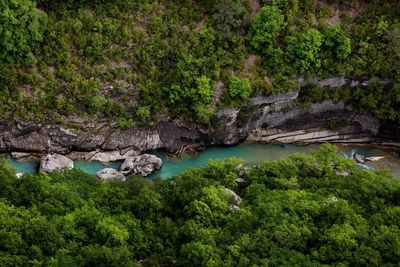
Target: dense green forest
(302, 211)
(136, 62)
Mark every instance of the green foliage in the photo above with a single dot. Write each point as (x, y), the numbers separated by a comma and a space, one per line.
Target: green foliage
(194, 99)
(143, 113)
(118, 59)
(377, 99)
(266, 27)
(21, 29)
(203, 113)
(336, 39)
(296, 211)
(304, 51)
(396, 92)
(239, 89)
(228, 16)
(202, 92)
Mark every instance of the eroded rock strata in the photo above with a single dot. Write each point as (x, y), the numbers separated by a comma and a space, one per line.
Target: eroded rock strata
(276, 119)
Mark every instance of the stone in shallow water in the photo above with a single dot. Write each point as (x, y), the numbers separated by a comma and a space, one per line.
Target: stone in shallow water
(142, 165)
(52, 162)
(359, 158)
(374, 158)
(110, 174)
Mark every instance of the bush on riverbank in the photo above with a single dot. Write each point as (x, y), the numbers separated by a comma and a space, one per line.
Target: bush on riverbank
(295, 211)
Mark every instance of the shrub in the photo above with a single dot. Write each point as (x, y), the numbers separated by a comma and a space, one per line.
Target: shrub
(267, 25)
(21, 28)
(239, 88)
(337, 40)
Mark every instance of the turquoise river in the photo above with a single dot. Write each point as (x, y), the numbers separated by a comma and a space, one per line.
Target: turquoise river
(250, 153)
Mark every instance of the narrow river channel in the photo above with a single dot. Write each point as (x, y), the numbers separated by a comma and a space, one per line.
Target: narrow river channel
(250, 153)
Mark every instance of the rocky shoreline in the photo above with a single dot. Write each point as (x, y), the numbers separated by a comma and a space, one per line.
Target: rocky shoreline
(275, 119)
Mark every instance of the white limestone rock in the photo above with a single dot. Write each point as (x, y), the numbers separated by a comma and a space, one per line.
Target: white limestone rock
(52, 162)
(142, 165)
(110, 174)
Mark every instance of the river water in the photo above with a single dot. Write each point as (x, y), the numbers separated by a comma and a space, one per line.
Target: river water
(250, 153)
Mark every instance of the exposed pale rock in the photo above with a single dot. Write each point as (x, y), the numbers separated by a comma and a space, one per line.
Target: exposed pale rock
(107, 156)
(110, 174)
(242, 182)
(52, 162)
(359, 158)
(19, 175)
(20, 155)
(342, 173)
(235, 196)
(142, 165)
(374, 158)
(233, 208)
(283, 97)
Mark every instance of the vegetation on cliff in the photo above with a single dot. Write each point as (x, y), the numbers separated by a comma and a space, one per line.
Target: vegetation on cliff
(300, 211)
(135, 62)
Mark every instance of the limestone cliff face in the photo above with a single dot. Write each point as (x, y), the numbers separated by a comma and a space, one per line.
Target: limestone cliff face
(264, 119)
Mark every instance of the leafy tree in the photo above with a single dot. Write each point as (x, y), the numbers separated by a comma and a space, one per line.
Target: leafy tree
(336, 39)
(228, 16)
(295, 211)
(239, 88)
(304, 51)
(199, 254)
(202, 93)
(21, 29)
(266, 28)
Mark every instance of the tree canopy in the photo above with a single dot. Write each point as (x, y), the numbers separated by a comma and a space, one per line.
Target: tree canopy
(136, 62)
(21, 28)
(297, 211)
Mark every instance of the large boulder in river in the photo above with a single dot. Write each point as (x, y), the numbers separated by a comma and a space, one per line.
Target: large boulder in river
(110, 174)
(142, 165)
(52, 162)
(359, 158)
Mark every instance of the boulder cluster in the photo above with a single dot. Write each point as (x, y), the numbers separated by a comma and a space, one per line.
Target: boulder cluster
(143, 165)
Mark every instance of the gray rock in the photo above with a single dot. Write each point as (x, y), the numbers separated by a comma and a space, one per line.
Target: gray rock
(110, 174)
(233, 208)
(52, 162)
(142, 165)
(242, 182)
(107, 156)
(359, 158)
(20, 155)
(19, 175)
(342, 173)
(374, 158)
(333, 82)
(235, 196)
(283, 97)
